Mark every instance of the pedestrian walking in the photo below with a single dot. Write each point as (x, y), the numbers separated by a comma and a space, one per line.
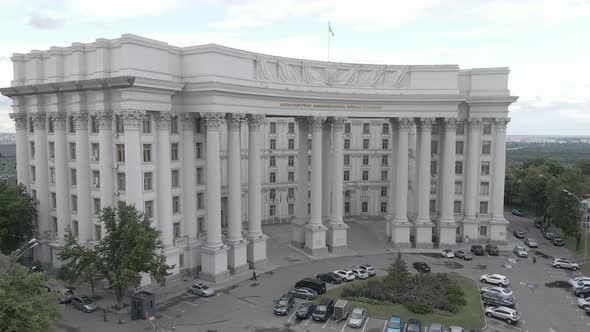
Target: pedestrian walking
(534, 260)
(104, 314)
(253, 276)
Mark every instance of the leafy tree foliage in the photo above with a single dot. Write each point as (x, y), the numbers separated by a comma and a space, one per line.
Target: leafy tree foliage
(81, 264)
(398, 276)
(130, 246)
(584, 166)
(533, 188)
(25, 303)
(17, 211)
(553, 166)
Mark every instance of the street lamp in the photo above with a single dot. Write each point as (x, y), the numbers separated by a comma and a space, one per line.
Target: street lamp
(18, 253)
(585, 230)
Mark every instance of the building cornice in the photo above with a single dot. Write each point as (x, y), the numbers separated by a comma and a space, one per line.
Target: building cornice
(121, 82)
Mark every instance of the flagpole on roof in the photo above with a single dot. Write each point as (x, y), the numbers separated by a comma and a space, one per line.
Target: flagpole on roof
(329, 29)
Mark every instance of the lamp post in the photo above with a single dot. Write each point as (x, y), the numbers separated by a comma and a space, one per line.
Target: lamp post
(18, 253)
(585, 230)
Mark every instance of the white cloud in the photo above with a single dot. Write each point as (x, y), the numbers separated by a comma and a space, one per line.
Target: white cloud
(45, 20)
(112, 9)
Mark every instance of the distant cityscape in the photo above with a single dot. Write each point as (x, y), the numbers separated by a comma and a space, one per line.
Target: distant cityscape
(7, 138)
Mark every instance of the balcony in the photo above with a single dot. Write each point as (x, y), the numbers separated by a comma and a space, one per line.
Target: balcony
(181, 241)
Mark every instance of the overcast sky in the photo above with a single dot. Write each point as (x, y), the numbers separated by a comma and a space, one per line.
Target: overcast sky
(546, 43)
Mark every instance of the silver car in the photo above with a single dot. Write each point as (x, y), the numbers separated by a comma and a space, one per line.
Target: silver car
(65, 295)
(84, 303)
(565, 264)
(202, 290)
(509, 315)
(436, 327)
(357, 317)
(530, 243)
(463, 255)
(521, 251)
(304, 293)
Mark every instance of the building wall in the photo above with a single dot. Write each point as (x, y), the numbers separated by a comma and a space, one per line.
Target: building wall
(8, 164)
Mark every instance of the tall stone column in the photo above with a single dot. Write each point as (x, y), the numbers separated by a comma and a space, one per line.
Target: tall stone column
(470, 224)
(256, 239)
(336, 237)
(214, 253)
(133, 169)
(83, 177)
(315, 231)
(447, 225)
(423, 223)
(392, 184)
(105, 150)
(326, 167)
(400, 227)
(237, 255)
(164, 177)
(498, 222)
(22, 145)
(42, 184)
(301, 199)
(189, 195)
(62, 186)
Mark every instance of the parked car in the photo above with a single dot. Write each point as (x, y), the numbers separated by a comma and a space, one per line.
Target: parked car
(477, 250)
(456, 329)
(284, 304)
(583, 302)
(538, 223)
(317, 285)
(587, 309)
(346, 274)
(498, 302)
(421, 267)
(303, 293)
(492, 250)
(582, 292)
(324, 310)
(394, 324)
(521, 251)
(357, 317)
(548, 234)
(518, 213)
(84, 303)
(497, 279)
(202, 290)
(581, 284)
(371, 271)
(557, 241)
(463, 255)
(330, 277)
(564, 263)
(360, 274)
(511, 316)
(573, 281)
(305, 310)
(447, 253)
(518, 234)
(530, 242)
(436, 327)
(413, 325)
(496, 291)
(65, 295)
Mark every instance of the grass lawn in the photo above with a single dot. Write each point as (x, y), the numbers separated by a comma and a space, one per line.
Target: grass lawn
(470, 316)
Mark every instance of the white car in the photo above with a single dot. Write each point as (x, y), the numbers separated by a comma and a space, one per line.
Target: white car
(573, 281)
(507, 314)
(497, 291)
(564, 263)
(202, 290)
(368, 268)
(447, 253)
(360, 274)
(521, 251)
(581, 284)
(496, 279)
(582, 302)
(346, 274)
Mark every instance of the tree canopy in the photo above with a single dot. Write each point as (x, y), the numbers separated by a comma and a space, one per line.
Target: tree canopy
(79, 263)
(17, 211)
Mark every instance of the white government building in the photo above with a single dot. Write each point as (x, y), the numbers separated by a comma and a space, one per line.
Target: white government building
(211, 142)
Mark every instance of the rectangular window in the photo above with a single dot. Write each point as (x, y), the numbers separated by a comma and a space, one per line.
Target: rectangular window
(483, 230)
(291, 161)
(433, 187)
(32, 149)
(74, 203)
(346, 160)
(93, 124)
(458, 167)
(487, 128)
(119, 125)
(309, 144)
(383, 175)
(459, 145)
(121, 153)
(199, 150)
(73, 177)
(273, 128)
(291, 176)
(96, 203)
(291, 210)
(483, 207)
(273, 177)
(291, 144)
(385, 128)
(291, 128)
(95, 152)
(460, 128)
(347, 128)
(432, 206)
(366, 128)
(484, 188)
(50, 125)
(457, 207)
(95, 179)
(273, 144)
(365, 175)
(383, 207)
(174, 125)
(54, 226)
(434, 147)
(148, 209)
(346, 207)
(201, 226)
(433, 168)
(147, 153)
(272, 194)
(347, 144)
(97, 232)
(71, 124)
(181, 261)
(51, 150)
(272, 210)
(384, 160)
(384, 191)
(175, 204)
(347, 194)
(290, 192)
(366, 144)
(346, 175)
(485, 168)
(486, 147)
(365, 192)
(200, 201)
(385, 144)
(364, 207)
(198, 126)
(174, 151)
(121, 181)
(75, 229)
(147, 181)
(176, 230)
(53, 200)
(272, 161)
(199, 176)
(365, 160)
(458, 187)
(175, 178)
(72, 151)
(52, 175)
(146, 124)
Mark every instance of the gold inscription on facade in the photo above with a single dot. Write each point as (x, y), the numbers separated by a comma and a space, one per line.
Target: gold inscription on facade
(330, 106)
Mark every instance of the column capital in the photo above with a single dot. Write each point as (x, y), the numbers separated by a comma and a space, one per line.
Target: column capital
(213, 121)
(105, 120)
(81, 120)
(426, 123)
(59, 120)
(255, 121)
(338, 123)
(449, 123)
(302, 121)
(163, 120)
(188, 120)
(39, 120)
(132, 119)
(403, 123)
(474, 123)
(235, 120)
(501, 123)
(20, 120)
(316, 123)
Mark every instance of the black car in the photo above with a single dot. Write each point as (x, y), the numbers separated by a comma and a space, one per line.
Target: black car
(582, 292)
(557, 241)
(538, 223)
(518, 234)
(477, 250)
(492, 250)
(324, 310)
(305, 310)
(317, 285)
(548, 234)
(421, 267)
(497, 301)
(284, 304)
(330, 277)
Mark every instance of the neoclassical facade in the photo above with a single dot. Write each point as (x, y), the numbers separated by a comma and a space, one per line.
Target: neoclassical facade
(212, 142)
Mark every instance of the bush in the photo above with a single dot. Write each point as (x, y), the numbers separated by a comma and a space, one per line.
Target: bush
(419, 308)
(366, 300)
(455, 295)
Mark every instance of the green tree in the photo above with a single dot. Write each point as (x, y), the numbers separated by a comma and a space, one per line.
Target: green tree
(554, 166)
(584, 166)
(17, 211)
(533, 189)
(80, 264)
(398, 277)
(25, 304)
(513, 180)
(565, 213)
(131, 246)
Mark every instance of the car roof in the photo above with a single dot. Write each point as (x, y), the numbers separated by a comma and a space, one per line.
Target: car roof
(359, 310)
(395, 319)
